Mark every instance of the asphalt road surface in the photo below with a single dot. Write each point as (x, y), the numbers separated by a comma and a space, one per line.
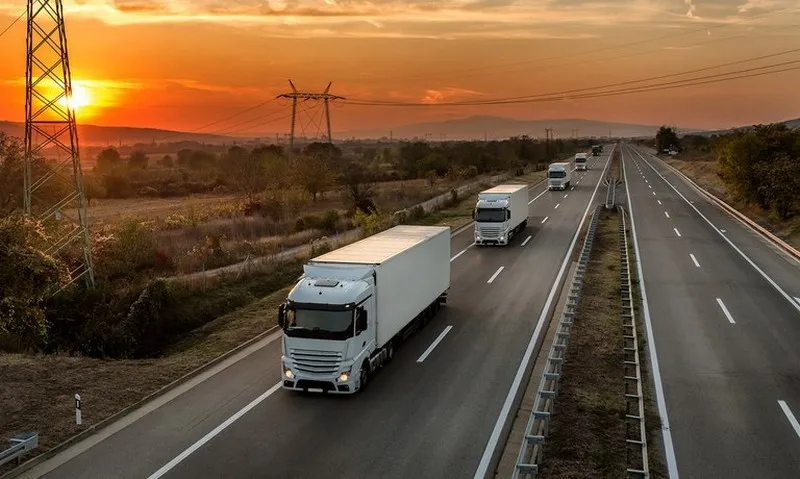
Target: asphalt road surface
(725, 327)
(419, 418)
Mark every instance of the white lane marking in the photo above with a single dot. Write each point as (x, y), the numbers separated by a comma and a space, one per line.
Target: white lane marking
(526, 240)
(654, 193)
(496, 274)
(434, 344)
(255, 402)
(566, 195)
(677, 232)
(545, 219)
(572, 188)
(666, 214)
(694, 260)
(725, 310)
(790, 416)
(461, 252)
(650, 186)
(672, 465)
(659, 201)
(538, 196)
(556, 207)
(491, 444)
(797, 298)
(721, 233)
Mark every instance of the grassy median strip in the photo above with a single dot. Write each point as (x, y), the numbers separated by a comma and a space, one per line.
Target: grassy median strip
(587, 435)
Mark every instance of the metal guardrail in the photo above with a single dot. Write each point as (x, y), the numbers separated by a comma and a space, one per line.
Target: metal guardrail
(19, 445)
(531, 451)
(635, 432)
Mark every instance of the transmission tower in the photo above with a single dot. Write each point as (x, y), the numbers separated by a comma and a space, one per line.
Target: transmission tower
(53, 177)
(325, 97)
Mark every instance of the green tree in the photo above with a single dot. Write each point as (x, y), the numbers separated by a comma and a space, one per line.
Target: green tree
(137, 160)
(247, 170)
(11, 174)
(780, 184)
(26, 275)
(359, 187)
(108, 160)
(314, 174)
(666, 137)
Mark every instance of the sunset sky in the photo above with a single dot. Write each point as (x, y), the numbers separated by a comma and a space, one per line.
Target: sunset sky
(181, 64)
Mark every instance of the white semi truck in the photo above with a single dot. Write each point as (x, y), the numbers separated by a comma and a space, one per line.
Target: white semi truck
(500, 213)
(559, 176)
(581, 160)
(353, 306)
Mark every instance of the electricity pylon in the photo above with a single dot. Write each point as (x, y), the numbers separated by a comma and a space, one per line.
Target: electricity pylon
(295, 95)
(53, 175)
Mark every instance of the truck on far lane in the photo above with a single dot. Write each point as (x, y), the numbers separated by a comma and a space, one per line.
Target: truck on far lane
(581, 160)
(500, 213)
(353, 306)
(596, 150)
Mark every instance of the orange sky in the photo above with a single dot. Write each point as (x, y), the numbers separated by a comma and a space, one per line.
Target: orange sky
(181, 64)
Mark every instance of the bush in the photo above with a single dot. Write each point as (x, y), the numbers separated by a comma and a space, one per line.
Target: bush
(149, 191)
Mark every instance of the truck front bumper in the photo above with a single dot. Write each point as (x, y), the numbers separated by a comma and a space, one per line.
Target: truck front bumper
(480, 241)
(317, 386)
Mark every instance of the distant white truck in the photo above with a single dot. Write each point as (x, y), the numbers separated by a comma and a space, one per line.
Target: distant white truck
(559, 176)
(500, 213)
(581, 160)
(352, 307)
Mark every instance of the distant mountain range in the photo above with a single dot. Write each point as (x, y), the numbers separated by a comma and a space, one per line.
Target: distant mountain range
(471, 128)
(790, 123)
(492, 127)
(91, 135)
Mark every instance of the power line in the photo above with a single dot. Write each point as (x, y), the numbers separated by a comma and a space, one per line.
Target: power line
(560, 94)
(13, 23)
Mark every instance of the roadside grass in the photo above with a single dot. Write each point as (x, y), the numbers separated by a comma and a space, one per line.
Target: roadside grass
(587, 436)
(703, 169)
(615, 169)
(37, 391)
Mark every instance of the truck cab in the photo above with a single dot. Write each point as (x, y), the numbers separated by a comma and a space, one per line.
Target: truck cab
(581, 160)
(328, 327)
(500, 213)
(558, 176)
(596, 149)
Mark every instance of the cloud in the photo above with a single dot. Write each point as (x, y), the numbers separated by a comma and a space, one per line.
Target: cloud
(447, 94)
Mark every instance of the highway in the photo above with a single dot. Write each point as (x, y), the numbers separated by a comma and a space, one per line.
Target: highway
(434, 411)
(724, 327)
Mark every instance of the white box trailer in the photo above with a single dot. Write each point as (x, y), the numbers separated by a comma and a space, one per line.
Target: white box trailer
(500, 213)
(559, 176)
(353, 306)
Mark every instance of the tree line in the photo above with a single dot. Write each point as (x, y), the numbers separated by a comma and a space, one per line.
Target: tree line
(759, 165)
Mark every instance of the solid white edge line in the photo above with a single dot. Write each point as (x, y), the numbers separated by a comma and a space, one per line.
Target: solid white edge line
(725, 310)
(461, 252)
(197, 445)
(677, 232)
(669, 449)
(722, 235)
(666, 214)
(491, 444)
(434, 344)
(526, 240)
(496, 274)
(788, 413)
(545, 219)
(694, 260)
(797, 298)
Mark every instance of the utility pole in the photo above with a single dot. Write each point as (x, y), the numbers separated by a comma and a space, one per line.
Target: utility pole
(295, 95)
(53, 185)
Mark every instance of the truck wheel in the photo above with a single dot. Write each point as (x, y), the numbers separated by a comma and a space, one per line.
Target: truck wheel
(364, 376)
(389, 352)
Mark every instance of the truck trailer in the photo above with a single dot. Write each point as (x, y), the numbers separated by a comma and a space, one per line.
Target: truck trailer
(559, 176)
(352, 307)
(500, 213)
(581, 160)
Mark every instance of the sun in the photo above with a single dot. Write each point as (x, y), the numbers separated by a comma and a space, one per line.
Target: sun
(81, 98)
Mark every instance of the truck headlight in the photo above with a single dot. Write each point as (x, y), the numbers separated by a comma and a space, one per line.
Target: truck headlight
(344, 377)
(288, 373)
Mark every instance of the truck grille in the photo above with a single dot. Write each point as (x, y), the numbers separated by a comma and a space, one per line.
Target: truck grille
(316, 362)
(489, 231)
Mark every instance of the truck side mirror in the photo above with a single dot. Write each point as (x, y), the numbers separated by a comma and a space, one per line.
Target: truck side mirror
(282, 315)
(508, 215)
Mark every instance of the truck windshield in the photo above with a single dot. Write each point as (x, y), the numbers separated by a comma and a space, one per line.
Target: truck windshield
(490, 215)
(319, 323)
(558, 174)
(580, 160)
